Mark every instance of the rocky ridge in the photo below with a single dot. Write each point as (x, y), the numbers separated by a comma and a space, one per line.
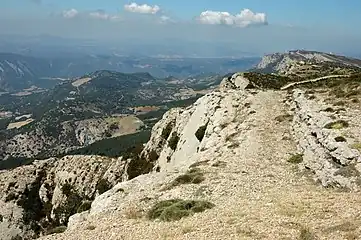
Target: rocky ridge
(294, 62)
(241, 138)
(249, 138)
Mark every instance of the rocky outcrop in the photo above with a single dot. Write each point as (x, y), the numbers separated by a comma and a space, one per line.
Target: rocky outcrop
(183, 137)
(43, 195)
(175, 140)
(289, 62)
(325, 151)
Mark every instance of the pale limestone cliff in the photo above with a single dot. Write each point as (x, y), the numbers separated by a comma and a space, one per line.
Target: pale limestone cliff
(46, 193)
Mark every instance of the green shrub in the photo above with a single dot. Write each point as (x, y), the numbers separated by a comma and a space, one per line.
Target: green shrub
(175, 209)
(85, 206)
(296, 159)
(193, 176)
(59, 229)
(173, 141)
(337, 125)
(200, 132)
(103, 186)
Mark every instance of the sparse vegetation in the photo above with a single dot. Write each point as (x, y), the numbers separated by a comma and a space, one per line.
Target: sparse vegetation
(175, 209)
(193, 176)
(269, 81)
(339, 124)
(295, 159)
(173, 141)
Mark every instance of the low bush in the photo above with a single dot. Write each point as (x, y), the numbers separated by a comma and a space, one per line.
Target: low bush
(337, 125)
(175, 209)
(296, 159)
(193, 176)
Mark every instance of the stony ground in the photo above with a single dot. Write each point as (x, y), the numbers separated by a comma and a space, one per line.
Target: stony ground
(257, 193)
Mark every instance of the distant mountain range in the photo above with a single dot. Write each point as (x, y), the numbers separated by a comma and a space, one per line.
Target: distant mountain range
(18, 72)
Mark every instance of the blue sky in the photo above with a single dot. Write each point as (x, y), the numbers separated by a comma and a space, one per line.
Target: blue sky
(325, 24)
(306, 12)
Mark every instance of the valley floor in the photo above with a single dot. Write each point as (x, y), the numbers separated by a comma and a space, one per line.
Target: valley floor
(256, 192)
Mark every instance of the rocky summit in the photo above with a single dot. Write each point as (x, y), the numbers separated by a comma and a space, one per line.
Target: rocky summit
(263, 156)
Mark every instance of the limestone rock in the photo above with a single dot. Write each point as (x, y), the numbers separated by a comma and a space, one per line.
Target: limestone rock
(48, 192)
(323, 154)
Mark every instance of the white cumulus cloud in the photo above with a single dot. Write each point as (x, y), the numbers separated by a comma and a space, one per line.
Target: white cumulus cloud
(71, 13)
(145, 9)
(245, 18)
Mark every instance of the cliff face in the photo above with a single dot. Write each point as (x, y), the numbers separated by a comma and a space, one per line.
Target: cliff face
(46, 193)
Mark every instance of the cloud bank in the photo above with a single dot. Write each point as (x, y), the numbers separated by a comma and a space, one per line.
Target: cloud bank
(245, 18)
